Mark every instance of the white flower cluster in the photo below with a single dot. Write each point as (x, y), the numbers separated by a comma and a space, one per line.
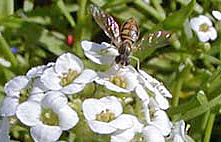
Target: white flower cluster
(39, 100)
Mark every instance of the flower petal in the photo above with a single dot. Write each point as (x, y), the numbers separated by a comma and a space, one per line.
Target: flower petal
(161, 101)
(73, 88)
(141, 93)
(68, 61)
(206, 20)
(86, 76)
(99, 53)
(203, 36)
(195, 23)
(51, 79)
(212, 33)
(14, 86)
(101, 127)
(91, 107)
(44, 133)
(54, 100)
(152, 134)
(113, 104)
(216, 14)
(162, 122)
(68, 118)
(9, 106)
(29, 113)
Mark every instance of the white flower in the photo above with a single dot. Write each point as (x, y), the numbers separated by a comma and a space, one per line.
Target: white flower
(103, 53)
(67, 75)
(217, 14)
(147, 1)
(4, 62)
(128, 134)
(152, 134)
(104, 116)
(47, 118)
(119, 79)
(203, 28)
(156, 88)
(13, 89)
(157, 117)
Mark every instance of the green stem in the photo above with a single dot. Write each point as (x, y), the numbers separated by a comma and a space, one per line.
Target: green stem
(149, 9)
(209, 127)
(6, 51)
(81, 15)
(205, 120)
(176, 95)
(61, 6)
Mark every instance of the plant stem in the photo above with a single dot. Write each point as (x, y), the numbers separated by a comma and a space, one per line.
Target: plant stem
(61, 6)
(176, 96)
(209, 127)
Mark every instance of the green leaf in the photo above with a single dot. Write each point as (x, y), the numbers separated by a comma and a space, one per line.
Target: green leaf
(176, 20)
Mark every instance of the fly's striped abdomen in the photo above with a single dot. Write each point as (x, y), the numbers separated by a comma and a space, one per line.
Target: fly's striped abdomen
(130, 30)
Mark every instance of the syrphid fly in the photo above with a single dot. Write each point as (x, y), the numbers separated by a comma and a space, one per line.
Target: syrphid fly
(126, 37)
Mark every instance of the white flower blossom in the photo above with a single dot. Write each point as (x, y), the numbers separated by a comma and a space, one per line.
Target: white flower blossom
(18, 84)
(103, 53)
(67, 75)
(217, 14)
(104, 116)
(152, 134)
(156, 88)
(119, 79)
(13, 89)
(203, 27)
(47, 118)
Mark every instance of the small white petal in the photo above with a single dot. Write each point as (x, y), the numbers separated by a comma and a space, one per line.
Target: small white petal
(9, 106)
(55, 100)
(36, 71)
(206, 20)
(152, 134)
(141, 93)
(86, 76)
(68, 61)
(177, 138)
(162, 102)
(113, 104)
(44, 133)
(217, 14)
(101, 127)
(163, 91)
(125, 136)
(14, 86)
(51, 79)
(131, 81)
(203, 36)
(4, 130)
(99, 53)
(29, 113)
(162, 122)
(37, 97)
(4, 62)
(122, 122)
(72, 88)
(195, 23)
(91, 107)
(212, 33)
(68, 118)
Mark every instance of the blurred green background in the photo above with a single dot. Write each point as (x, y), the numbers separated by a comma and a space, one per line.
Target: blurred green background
(35, 32)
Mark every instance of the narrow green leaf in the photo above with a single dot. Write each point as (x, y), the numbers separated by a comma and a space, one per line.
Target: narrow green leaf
(6, 7)
(177, 19)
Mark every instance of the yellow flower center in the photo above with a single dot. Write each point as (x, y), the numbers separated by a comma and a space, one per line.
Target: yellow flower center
(119, 81)
(24, 94)
(105, 116)
(48, 117)
(204, 27)
(68, 77)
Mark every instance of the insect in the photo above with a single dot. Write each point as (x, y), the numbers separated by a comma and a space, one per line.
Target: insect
(126, 37)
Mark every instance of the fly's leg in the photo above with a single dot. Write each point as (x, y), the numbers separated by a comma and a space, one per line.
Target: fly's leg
(137, 60)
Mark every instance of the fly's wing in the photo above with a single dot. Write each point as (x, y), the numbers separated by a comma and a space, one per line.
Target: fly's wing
(154, 40)
(107, 24)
